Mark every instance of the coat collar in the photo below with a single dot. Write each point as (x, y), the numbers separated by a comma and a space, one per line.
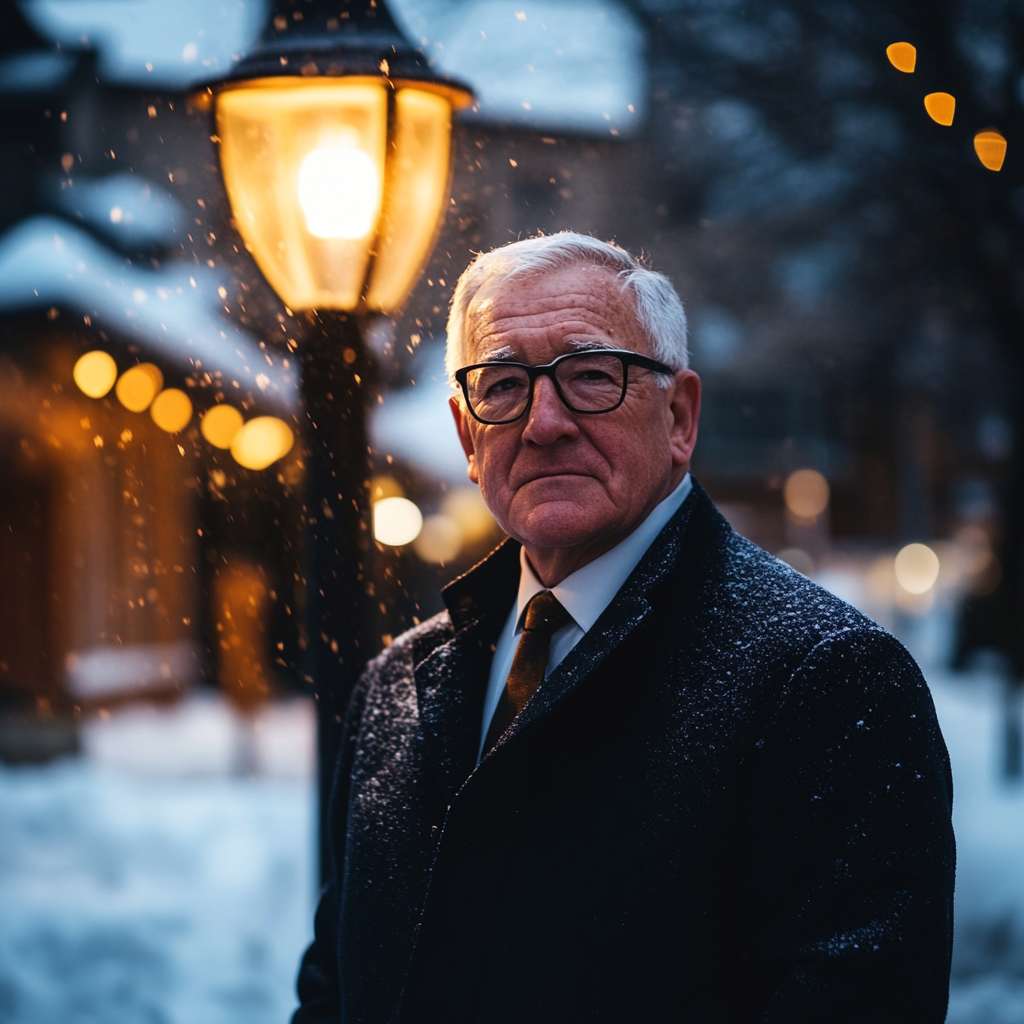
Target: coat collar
(451, 681)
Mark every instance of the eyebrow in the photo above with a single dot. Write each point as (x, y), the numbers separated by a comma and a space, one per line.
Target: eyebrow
(589, 346)
(507, 354)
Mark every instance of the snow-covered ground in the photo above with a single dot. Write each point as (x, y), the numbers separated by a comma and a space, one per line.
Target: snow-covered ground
(148, 882)
(145, 883)
(988, 817)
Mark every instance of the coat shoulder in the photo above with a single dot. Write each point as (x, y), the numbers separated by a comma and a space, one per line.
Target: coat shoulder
(408, 650)
(762, 589)
(764, 618)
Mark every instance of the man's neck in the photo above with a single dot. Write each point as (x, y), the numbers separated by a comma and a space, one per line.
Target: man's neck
(552, 565)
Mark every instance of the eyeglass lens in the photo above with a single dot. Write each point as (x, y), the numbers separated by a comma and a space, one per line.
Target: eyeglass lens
(589, 382)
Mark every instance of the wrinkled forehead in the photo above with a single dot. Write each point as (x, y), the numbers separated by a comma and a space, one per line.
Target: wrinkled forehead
(549, 312)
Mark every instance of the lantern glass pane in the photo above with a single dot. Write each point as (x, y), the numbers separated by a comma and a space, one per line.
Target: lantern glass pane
(416, 194)
(303, 164)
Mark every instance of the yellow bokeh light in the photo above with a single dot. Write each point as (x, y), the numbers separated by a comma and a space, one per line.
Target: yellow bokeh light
(137, 387)
(396, 522)
(261, 442)
(339, 192)
(991, 149)
(385, 487)
(902, 56)
(95, 373)
(466, 507)
(171, 410)
(220, 425)
(806, 493)
(941, 107)
(917, 568)
(439, 541)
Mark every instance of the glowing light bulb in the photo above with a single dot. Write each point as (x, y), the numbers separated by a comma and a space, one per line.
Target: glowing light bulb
(171, 410)
(220, 424)
(902, 56)
(396, 521)
(941, 107)
(95, 373)
(262, 441)
(806, 493)
(917, 568)
(339, 192)
(991, 149)
(137, 387)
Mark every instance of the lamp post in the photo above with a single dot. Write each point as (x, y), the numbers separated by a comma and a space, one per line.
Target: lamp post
(335, 146)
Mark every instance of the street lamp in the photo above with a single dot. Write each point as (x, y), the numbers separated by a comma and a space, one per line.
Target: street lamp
(335, 146)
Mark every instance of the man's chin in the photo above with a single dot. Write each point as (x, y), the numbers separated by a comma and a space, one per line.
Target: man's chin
(559, 523)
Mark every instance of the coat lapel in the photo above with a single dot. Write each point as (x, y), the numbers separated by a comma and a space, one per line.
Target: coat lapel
(451, 681)
(627, 610)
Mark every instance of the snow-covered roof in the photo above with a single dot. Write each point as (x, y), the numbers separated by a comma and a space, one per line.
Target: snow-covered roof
(575, 65)
(153, 42)
(557, 65)
(126, 208)
(46, 261)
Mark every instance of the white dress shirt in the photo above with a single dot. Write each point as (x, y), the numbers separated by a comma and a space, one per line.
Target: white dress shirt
(584, 594)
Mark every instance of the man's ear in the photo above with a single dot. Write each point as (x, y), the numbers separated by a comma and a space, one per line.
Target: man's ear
(465, 437)
(685, 411)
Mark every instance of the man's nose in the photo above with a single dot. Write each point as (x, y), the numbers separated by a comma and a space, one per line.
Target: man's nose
(549, 420)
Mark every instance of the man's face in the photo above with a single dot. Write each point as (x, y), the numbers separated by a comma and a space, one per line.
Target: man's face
(554, 479)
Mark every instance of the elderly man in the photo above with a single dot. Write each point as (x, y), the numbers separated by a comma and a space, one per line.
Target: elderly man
(639, 770)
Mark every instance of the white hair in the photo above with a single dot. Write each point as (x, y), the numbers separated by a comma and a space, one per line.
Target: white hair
(659, 310)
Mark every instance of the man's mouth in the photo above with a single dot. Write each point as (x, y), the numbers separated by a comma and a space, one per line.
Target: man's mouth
(549, 474)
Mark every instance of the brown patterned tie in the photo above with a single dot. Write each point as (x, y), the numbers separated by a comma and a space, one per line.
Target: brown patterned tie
(544, 617)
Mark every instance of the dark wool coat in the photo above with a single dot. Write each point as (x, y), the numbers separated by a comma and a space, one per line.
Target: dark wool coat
(730, 802)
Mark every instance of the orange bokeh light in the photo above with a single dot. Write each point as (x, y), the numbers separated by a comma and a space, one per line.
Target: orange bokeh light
(941, 107)
(902, 56)
(991, 149)
(806, 493)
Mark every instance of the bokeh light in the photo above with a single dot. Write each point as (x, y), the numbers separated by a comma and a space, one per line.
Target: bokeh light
(220, 425)
(991, 149)
(917, 568)
(941, 107)
(797, 558)
(171, 410)
(806, 493)
(95, 373)
(261, 442)
(385, 487)
(137, 387)
(439, 541)
(902, 56)
(973, 548)
(396, 521)
(466, 508)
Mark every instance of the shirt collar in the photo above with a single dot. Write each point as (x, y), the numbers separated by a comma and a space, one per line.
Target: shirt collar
(588, 591)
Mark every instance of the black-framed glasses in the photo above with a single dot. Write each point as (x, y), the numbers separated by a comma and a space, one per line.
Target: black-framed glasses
(588, 382)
